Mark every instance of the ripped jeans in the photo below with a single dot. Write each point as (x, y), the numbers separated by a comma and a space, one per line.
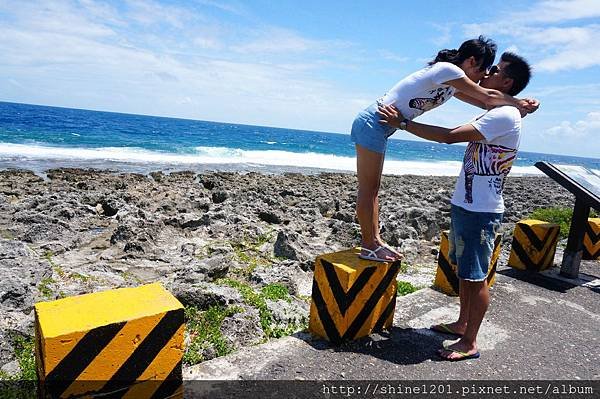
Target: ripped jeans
(471, 240)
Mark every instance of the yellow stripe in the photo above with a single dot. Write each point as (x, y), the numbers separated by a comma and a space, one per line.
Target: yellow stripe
(55, 349)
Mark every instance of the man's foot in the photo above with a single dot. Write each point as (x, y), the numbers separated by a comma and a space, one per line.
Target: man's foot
(459, 351)
(449, 328)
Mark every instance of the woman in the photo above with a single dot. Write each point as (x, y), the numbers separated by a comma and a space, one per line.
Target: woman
(451, 73)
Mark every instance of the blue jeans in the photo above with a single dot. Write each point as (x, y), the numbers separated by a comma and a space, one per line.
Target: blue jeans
(368, 132)
(471, 241)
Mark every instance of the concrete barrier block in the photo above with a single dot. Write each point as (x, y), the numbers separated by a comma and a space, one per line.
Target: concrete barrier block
(127, 340)
(591, 240)
(351, 297)
(534, 245)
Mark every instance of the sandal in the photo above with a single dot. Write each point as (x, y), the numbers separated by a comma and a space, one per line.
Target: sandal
(371, 254)
(444, 329)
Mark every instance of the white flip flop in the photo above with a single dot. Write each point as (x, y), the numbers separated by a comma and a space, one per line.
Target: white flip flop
(372, 254)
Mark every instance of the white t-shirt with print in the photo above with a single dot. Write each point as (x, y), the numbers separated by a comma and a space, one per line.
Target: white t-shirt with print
(423, 90)
(487, 162)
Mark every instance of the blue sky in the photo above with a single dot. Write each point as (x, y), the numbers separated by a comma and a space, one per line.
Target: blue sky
(296, 64)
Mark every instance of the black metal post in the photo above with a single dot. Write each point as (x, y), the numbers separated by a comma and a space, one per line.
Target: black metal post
(572, 256)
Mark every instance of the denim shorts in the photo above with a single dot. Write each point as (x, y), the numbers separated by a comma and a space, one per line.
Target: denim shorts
(471, 241)
(368, 132)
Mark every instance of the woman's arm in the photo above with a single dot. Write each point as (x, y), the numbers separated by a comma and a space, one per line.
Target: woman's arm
(469, 100)
(489, 97)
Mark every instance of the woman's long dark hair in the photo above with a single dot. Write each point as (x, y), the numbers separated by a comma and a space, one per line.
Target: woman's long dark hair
(484, 51)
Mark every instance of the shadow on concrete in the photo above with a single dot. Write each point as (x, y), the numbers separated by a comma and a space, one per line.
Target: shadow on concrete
(403, 346)
(538, 279)
(552, 280)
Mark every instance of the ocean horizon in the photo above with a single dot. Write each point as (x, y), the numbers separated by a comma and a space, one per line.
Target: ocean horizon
(38, 137)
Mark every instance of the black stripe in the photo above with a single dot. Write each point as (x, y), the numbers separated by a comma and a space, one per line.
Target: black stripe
(372, 301)
(533, 238)
(522, 255)
(549, 257)
(79, 358)
(450, 274)
(326, 320)
(170, 384)
(334, 283)
(389, 309)
(492, 271)
(343, 299)
(591, 234)
(147, 350)
(589, 256)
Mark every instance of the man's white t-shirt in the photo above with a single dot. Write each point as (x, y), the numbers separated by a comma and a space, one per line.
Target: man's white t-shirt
(423, 90)
(487, 162)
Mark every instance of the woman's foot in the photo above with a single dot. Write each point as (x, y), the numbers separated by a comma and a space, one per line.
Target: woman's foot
(377, 253)
(397, 255)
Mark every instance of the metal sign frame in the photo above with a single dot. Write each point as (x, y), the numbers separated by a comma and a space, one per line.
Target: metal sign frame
(584, 200)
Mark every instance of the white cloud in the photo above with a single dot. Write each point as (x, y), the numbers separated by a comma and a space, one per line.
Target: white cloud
(560, 10)
(111, 66)
(556, 48)
(581, 129)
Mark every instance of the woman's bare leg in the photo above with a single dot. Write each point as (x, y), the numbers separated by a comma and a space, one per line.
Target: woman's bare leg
(369, 165)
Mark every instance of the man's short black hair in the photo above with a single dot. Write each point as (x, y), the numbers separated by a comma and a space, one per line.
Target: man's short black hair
(518, 70)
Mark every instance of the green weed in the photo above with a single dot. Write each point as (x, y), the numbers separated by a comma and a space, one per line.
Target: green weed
(405, 288)
(275, 292)
(45, 289)
(205, 331)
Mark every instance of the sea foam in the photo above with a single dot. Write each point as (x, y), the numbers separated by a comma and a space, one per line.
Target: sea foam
(224, 155)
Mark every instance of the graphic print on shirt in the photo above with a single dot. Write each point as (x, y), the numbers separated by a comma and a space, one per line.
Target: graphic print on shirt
(425, 104)
(487, 160)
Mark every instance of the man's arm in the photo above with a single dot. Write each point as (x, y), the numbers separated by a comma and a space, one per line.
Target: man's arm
(462, 134)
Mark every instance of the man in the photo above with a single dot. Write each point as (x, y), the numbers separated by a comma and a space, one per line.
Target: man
(477, 204)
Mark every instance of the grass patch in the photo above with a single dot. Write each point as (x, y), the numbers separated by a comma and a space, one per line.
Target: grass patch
(405, 288)
(275, 292)
(205, 331)
(258, 300)
(559, 215)
(25, 354)
(45, 289)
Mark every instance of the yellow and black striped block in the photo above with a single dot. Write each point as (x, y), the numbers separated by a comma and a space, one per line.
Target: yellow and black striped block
(351, 297)
(591, 240)
(446, 276)
(534, 244)
(127, 341)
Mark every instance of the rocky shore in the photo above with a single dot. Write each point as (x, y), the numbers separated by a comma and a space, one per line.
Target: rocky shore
(244, 242)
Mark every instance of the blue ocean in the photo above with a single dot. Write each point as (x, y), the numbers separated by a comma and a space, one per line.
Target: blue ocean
(39, 137)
